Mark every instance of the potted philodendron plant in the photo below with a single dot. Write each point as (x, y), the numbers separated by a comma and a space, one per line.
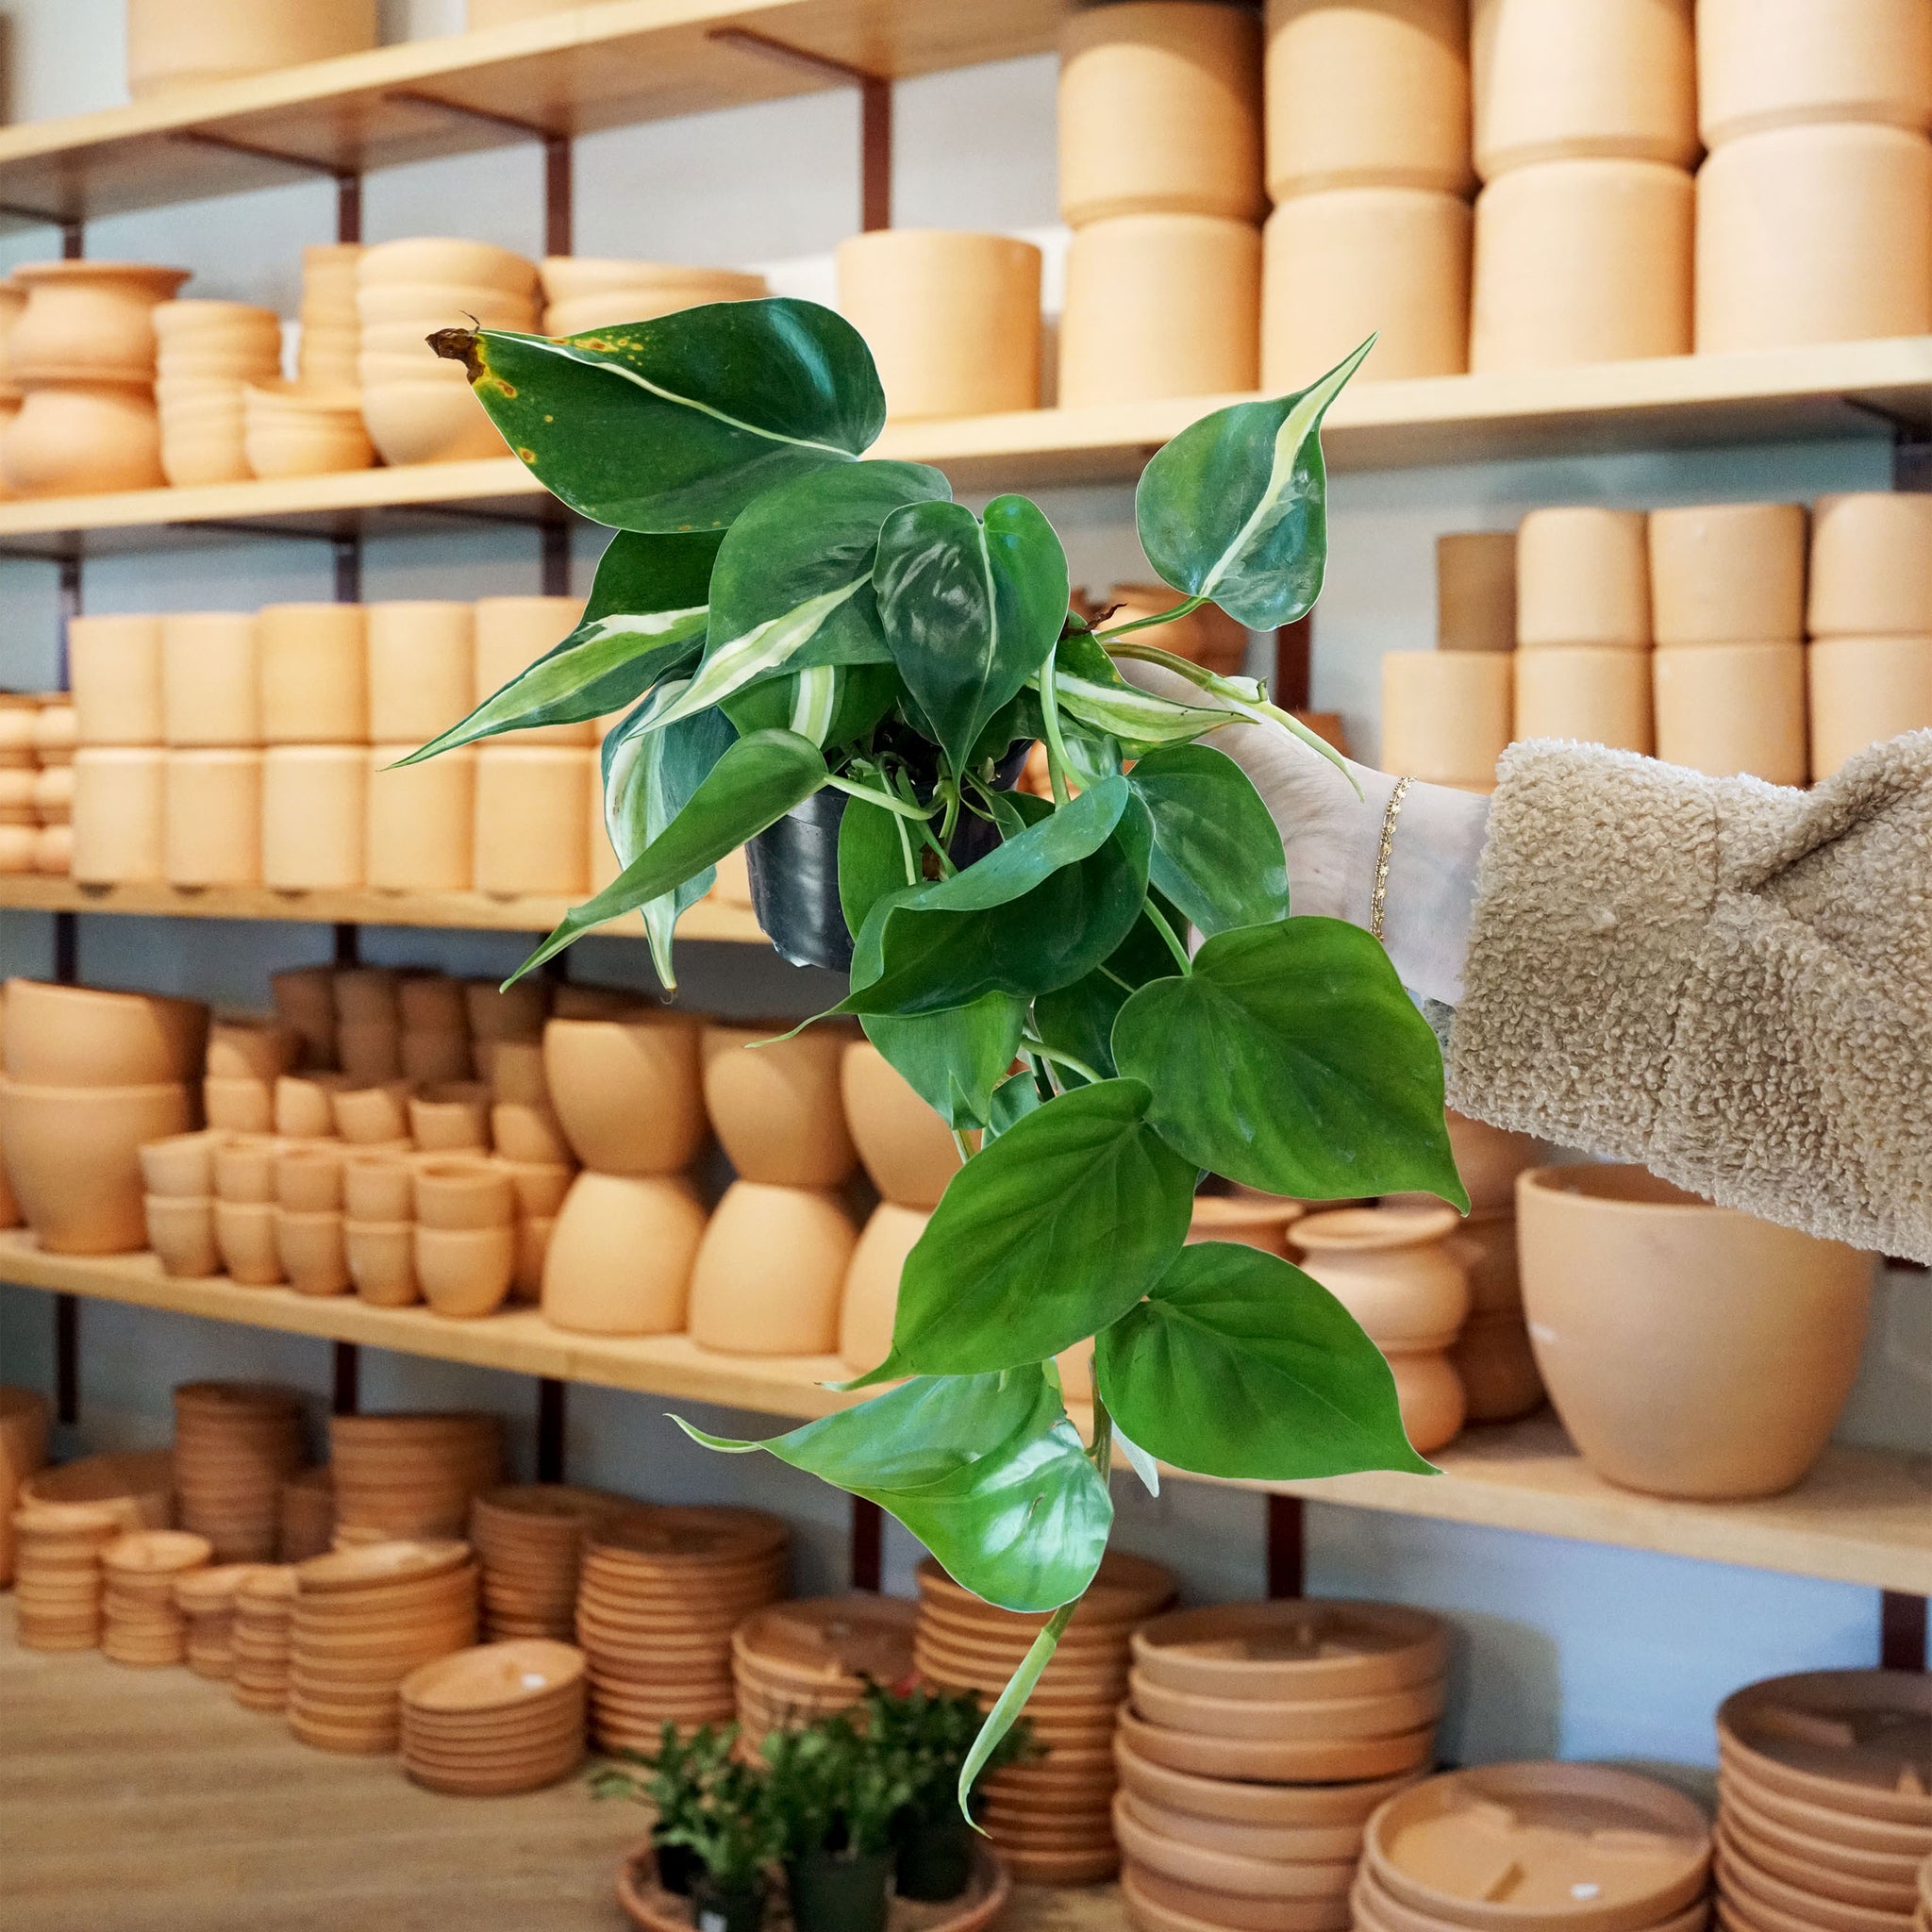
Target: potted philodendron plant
(828, 657)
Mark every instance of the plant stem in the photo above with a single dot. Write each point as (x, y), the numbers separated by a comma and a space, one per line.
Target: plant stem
(1101, 1451)
(884, 800)
(1168, 933)
(1050, 712)
(1040, 1049)
(1185, 608)
(959, 1142)
(905, 852)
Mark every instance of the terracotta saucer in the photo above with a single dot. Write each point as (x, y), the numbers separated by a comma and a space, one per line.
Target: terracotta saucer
(1856, 1740)
(1337, 1762)
(495, 1678)
(1063, 1868)
(1377, 1910)
(1309, 1844)
(1219, 1871)
(545, 1728)
(1775, 1859)
(1761, 1895)
(504, 1786)
(1126, 1590)
(1294, 1651)
(398, 1562)
(1381, 1715)
(1160, 1904)
(985, 1628)
(683, 1537)
(1832, 1824)
(834, 1639)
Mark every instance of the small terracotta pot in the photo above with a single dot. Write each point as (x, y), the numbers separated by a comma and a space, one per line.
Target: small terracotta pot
(244, 1106)
(57, 731)
(114, 666)
(84, 1036)
(1865, 691)
(245, 1236)
(372, 1115)
(381, 1258)
(210, 679)
(421, 669)
(541, 1187)
(450, 1117)
(1340, 264)
(1245, 1220)
(1583, 578)
(621, 1256)
(516, 1070)
(1160, 111)
(533, 1256)
(522, 1132)
(1554, 79)
(437, 1060)
(427, 421)
(309, 1180)
(1593, 695)
(83, 438)
(88, 321)
(518, 1013)
(317, 431)
(19, 845)
(1872, 566)
(379, 1186)
(744, 1300)
(422, 820)
(1814, 235)
(906, 1148)
(244, 1169)
(431, 1003)
(313, 801)
(870, 1297)
(257, 1048)
(627, 1092)
(120, 814)
(1489, 1159)
(1484, 1247)
(1494, 1363)
(1160, 305)
(54, 850)
(463, 1194)
(213, 818)
(173, 45)
(1447, 714)
(511, 634)
(775, 1104)
(1582, 262)
(439, 258)
(313, 669)
(181, 1231)
(1690, 1350)
(531, 835)
(371, 1053)
(1730, 708)
(1727, 572)
(1432, 1399)
(180, 1168)
(1388, 1267)
(313, 1259)
(464, 1273)
(304, 1109)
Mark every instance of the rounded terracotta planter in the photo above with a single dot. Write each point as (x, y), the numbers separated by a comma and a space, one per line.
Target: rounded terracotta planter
(1727, 572)
(180, 1167)
(88, 321)
(908, 1149)
(1489, 1159)
(1583, 578)
(770, 1271)
(1690, 1350)
(532, 836)
(314, 799)
(1727, 709)
(511, 634)
(1557, 79)
(239, 1106)
(776, 1105)
(181, 44)
(181, 1232)
(378, 1185)
(210, 683)
(1497, 1369)
(1864, 691)
(465, 1271)
(1341, 264)
(381, 1258)
(871, 1298)
(83, 438)
(1160, 111)
(245, 1235)
(1814, 234)
(1584, 261)
(120, 814)
(312, 661)
(1446, 715)
(214, 818)
(627, 1092)
(952, 318)
(114, 666)
(462, 1193)
(310, 1247)
(415, 420)
(1160, 305)
(1371, 95)
(1389, 1268)
(73, 1158)
(1871, 565)
(421, 669)
(450, 1116)
(84, 1036)
(422, 820)
(621, 1256)
(1590, 692)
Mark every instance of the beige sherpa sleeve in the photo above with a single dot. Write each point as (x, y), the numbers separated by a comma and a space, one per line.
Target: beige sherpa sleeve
(1727, 982)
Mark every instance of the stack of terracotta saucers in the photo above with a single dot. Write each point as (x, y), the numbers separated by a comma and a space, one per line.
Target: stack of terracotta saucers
(264, 1612)
(141, 1622)
(504, 1718)
(1922, 1919)
(530, 1541)
(799, 1661)
(235, 1444)
(1051, 1820)
(1261, 1738)
(1825, 1803)
(366, 1619)
(1553, 1847)
(57, 1571)
(140, 1485)
(413, 1475)
(308, 1514)
(660, 1593)
(206, 1599)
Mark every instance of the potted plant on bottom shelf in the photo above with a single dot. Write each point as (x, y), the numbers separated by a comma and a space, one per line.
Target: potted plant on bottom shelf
(809, 637)
(834, 1792)
(680, 1785)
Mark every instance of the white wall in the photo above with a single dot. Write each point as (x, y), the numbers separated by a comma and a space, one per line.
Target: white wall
(1564, 1647)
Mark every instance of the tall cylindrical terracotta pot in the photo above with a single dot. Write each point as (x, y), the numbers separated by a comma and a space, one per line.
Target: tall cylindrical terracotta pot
(1721, 572)
(313, 805)
(210, 679)
(214, 818)
(1863, 691)
(181, 44)
(1583, 578)
(1871, 565)
(1730, 710)
(1590, 692)
(531, 833)
(313, 661)
(1691, 1350)
(511, 634)
(120, 814)
(422, 824)
(1446, 715)
(422, 668)
(114, 666)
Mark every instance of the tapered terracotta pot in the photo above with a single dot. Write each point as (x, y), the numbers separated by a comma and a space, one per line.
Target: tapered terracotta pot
(245, 1236)
(1160, 305)
(532, 833)
(88, 321)
(908, 1149)
(244, 1169)
(73, 1158)
(1554, 79)
(84, 1036)
(371, 1053)
(314, 799)
(1727, 572)
(871, 1298)
(303, 1108)
(378, 1185)
(1446, 715)
(1583, 578)
(310, 1246)
(421, 669)
(1160, 111)
(1374, 93)
(436, 1058)
(1871, 565)
(214, 818)
(450, 1116)
(305, 999)
(1690, 1350)
(1864, 691)
(381, 1258)
(1593, 695)
(241, 1106)
(511, 634)
(770, 1272)
(309, 1180)
(180, 43)
(1814, 235)
(951, 319)
(465, 1272)
(1582, 262)
(621, 1256)
(1727, 709)
(247, 1047)
(180, 1167)
(114, 665)
(120, 814)
(181, 1232)
(1340, 264)
(373, 1114)
(775, 1104)
(627, 1092)
(83, 438)
(422, 820)
(314, 674)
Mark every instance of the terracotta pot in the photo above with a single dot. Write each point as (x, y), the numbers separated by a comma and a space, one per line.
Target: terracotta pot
(531, 835)
(309, 1180)
(1207, 635)
(57, 731)
(1865, 691)
(180, 1168)
(1594, 695)
(465, 1271)
(1343, 263)
(1731, 708)
(1583, 578)
(450, 1116)
(120, 814)
(771, 1272)
(541, 1187)
(1727, 572)
(372, 1116)
(422, 820)
(1582, 262)
(304, 1000)
(1373, 94)
(421, 669)
(312, 664)
(775, 1104)
(1160, 305)
(244, 1106)
(310, 1248)
(181, 1231)
(1246, 1220)
(621, 1256)
(73, 1159)
(84, 1036)
(303, 1104)
(88, 321)
(371, 995)
(1690, 1350)
(244, 1169)
(210, 679)
(871, 1298)
(1388, 1267)
(523, 1132)
(1555, 79)
(534, 1234)
(213, 818)
(446, 260)
(1494, 1363)
(313, 800)
(378, 1185)
(1872, 566)
(1431, 1397)
(518, 1013)
(1814, 235)
(427, 421)
(381, 1258)
(252, 1048)
(431, 1003)
(54, 850)
(1772, 63)
(1160, 111)
(463, 1194)
(627, 1090)
(245, 1235)
(511, 634)
(19, 845)
(83, 438)
(114, 666)
(908, 1150)
(515, 1069)
(951, 319)
(1447, 714)
(314, 430)
(173, 45)
(438, 1059)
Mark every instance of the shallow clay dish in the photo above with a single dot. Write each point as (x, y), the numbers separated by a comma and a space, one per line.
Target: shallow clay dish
(1219, 1871)
(1270, 1806)
(1312, 1720)
(1759, 1893)
(1283, 1843)
(1322, 1763)
(377, 1563)
(1159, 1904)
(1126, 1590)
(1377, 1910)
(1777, 1862)
(1856, 1741)
(1292, 1651)
(495, 1676)
(1882, 1852)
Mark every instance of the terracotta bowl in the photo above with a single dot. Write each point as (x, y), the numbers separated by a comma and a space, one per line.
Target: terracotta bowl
(437, 259)
(181, 1167)
(428, 422)
(465, 1271)
(382, 1262)
(78, 1036)
(73, 1157)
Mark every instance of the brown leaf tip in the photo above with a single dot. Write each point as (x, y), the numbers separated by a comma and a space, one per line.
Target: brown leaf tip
(460, 346)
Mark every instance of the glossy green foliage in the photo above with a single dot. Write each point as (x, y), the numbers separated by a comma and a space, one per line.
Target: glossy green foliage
(1217, 855)
(1078, 1019)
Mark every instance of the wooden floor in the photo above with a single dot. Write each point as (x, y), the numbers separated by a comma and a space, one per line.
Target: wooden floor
(149, 1801)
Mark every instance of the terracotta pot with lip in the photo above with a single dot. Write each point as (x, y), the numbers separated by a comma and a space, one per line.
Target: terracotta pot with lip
(213, 815)
(1245, 1220)
(1871, 565)
(627, 1092)
(84, 1036)
(621, 1254)
(172, 44)
(313, 802)
(1730, 708)
(310, 1246)
(465, 1271)
(181, 1232)
(381, 1258)
(245, 1235)
(463, 1193)
(1593, 693)
(744, 1300)
(532, 836)
(1724, 573)
(451, 1116)
(1446, 715)
(312, 661)
(114, 667)
(1388, 1267)
(88, 321)
(775, 1104)
(180, 1167)
(1583, 578)
(870, 1301)
(1864, 691)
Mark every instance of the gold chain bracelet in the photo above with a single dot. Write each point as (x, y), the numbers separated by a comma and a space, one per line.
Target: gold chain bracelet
(1381, 892)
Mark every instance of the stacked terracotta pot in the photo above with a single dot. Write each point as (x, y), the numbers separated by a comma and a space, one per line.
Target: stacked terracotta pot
(114, 666)
(1367, 162)
(366, 1619)
(1584, 1847)
(172, 44)
(1824, 1817)
(502, 1718)
(582, 292)
(234, 1446)
(208, 353)
(206, 1599)
(1446, 713)
(1493, 1357)
(331, 334)
(1258, 1741)
(37, 745)
(1585, 130)
(58, 1581)
(1050, 1819)
(413, 1475)
(264, 1624)
(529, 1542)
(142, 1621)
(800, 1661)
(25, 1416)
(308, 1515)
(660, 1593)
(139, 1486)
(1870, 663)
(12, 301)
(1160, 180)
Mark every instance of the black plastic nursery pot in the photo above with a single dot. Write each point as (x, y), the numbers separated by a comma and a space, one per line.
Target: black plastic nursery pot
(677, 1867)
(841, 1891)
(935, 1857)
(727, 1911)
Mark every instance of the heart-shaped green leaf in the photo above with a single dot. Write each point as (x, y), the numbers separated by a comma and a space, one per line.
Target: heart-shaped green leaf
(1093, 692)
(1217, 854)
(1238, 1364)
(833, 705)
(1078, 1019)
(1291, 1060)
(1012, 1101)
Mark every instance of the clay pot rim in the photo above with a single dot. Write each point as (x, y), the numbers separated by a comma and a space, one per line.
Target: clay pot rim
(1649, 1194)
(97, 1095)
(1341, 1230)
(33, 274)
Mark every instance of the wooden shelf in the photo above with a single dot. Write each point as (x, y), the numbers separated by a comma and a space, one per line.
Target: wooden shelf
(1863, 1516)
